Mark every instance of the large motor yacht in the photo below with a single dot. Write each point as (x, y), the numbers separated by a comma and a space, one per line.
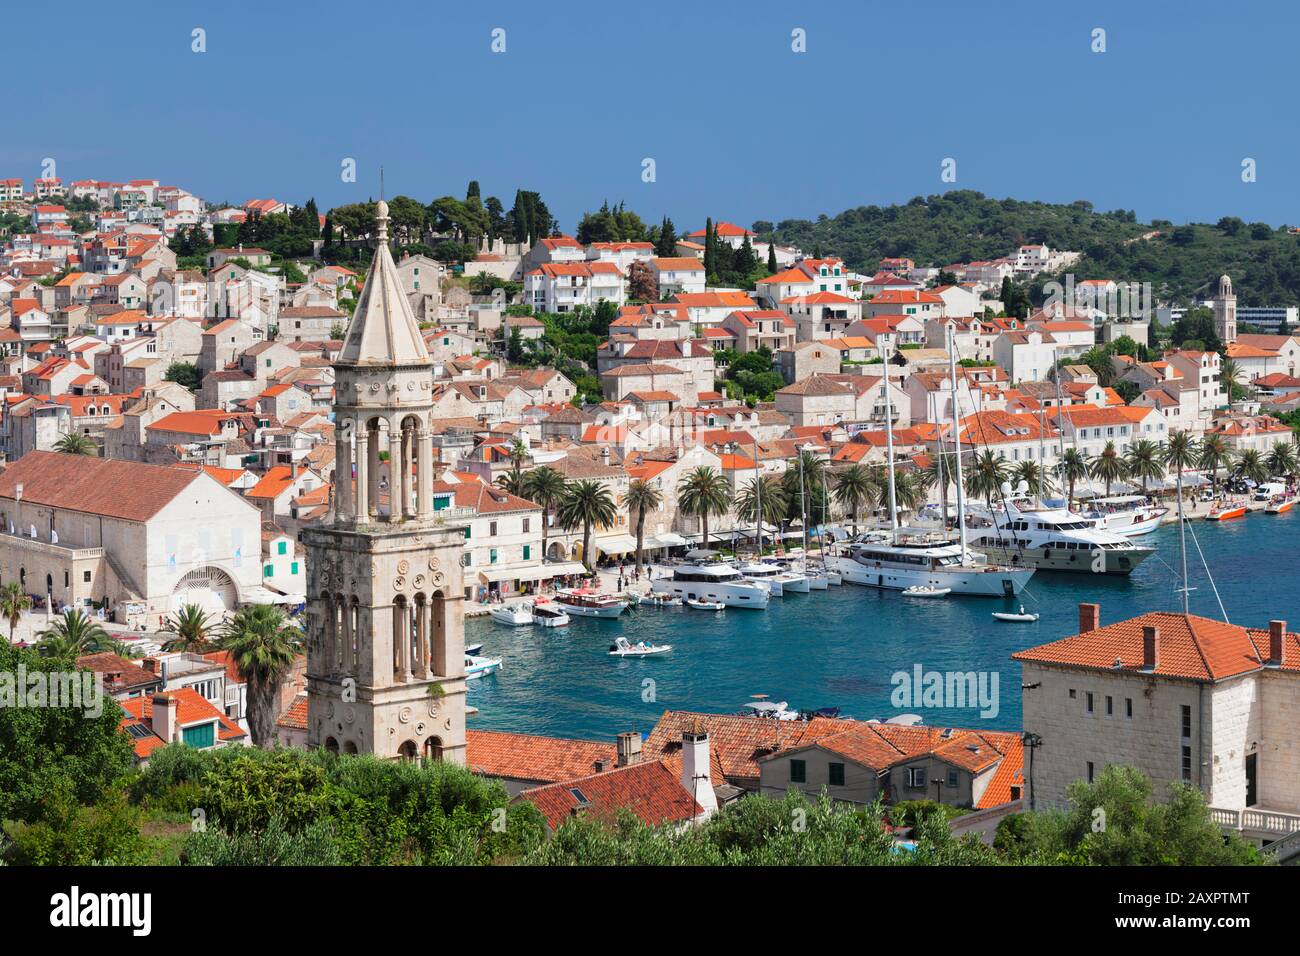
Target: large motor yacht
(1052, 539)
(717, 582)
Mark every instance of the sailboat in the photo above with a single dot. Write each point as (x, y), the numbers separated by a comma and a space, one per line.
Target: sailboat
(899, 559)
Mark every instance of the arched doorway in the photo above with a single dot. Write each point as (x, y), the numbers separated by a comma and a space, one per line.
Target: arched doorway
(331, 745)
(433, 748)
(349, 748)
(210, 588)
(407, 751)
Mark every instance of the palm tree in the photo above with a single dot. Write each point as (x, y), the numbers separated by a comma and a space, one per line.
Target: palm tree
(544, 486)
(1214, 455)
(1144, 461)
(855, 487)
(1072, 468)
(1283, 460)
(13, 602)
(586, 503)
(263, 643)
(193, 630)
(1180, 451)
(1250, 464)
(75, 443)
(513, 482)
(1109, 466)
(987, 476)
(701, 493)
(909, 490)
(941, 473)
(640, 498)
(1030, 472)
(71, 635)
(774, 498)
(122, 649)
(1228, 372)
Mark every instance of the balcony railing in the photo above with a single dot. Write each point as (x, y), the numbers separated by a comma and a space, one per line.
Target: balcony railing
(1257, 820)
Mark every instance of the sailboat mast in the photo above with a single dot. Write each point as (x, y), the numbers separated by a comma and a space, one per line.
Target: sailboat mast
(889, 436)
(803, 511)
(758, 491)
(956, 443)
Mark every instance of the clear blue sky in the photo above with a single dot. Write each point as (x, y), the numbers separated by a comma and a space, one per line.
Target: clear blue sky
(740, 127)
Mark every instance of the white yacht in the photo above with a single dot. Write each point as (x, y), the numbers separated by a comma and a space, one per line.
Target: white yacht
(1127, 515)
(513, 615)
(548, 614)
(902, 560)
(1052, 539)
(777, 579)
(717, 582)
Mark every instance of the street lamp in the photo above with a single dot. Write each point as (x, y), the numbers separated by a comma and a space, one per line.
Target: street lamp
(1032, 742)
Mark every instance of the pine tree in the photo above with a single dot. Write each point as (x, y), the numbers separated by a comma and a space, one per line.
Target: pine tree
(667, 245)
(745, 261)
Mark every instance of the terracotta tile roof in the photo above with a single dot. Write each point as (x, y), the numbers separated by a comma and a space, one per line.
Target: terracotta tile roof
(1187, 647)
(111, 487)
(648, 789)
(1010, 773)
(192, 709)
(531, 757)
(119, 674)
(737, 743)
(295, 715)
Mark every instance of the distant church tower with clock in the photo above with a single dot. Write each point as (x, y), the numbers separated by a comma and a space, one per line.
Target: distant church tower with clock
(385, 623)
(1225, 311)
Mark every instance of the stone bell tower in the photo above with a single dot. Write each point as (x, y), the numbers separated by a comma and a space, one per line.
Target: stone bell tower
(385, 633)
(1225, 311)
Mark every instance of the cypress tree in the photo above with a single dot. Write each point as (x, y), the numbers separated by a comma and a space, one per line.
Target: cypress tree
(771, 256)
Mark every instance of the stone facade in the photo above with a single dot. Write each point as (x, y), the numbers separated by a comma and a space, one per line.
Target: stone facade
(386, 646)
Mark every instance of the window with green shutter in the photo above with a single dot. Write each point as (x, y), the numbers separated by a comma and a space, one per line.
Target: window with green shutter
(466, 531)
(293, 568)
(283, 548)
(201, 737)
(268, 571)
(528, 552)
(836, 774)
(798, 771)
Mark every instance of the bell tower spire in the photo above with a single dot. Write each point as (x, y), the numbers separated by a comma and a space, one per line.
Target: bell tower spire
(386, 643)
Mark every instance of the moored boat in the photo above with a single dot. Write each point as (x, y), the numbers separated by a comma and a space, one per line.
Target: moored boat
(548, 614)
(588, 602)
(704, 605)
(1016, 617)
(512, 615)
(1226, 512)
(1280, 505)
(476, 667)
(714, 583)
(925, 591)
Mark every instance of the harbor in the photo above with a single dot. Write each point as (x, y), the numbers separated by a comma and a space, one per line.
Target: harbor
(841, 646)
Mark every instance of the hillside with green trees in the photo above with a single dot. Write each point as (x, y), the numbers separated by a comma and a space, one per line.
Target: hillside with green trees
(1181, 262)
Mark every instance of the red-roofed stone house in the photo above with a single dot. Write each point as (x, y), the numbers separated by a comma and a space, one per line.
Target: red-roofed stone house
(1178, 696)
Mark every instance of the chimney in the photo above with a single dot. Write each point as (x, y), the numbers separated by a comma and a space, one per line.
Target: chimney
(166, 722)
(293, 468)
(695, 769)
(629, 748)
(1150, 647)
(604, 454)
(1276, 636)
(601, 765)
(1089, 617)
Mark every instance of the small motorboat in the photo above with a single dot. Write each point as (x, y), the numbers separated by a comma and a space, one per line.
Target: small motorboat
(473, 649)
(926, 591)
(1279, 506)
(1226, 512)
(1016, 617)
(512, 615)
(659, 599)
(771, 710)
(476, 667)
(622, 647)
(548, 614)
(704, 605)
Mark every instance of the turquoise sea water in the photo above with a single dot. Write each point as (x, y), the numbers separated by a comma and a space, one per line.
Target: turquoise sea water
(841, 646)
